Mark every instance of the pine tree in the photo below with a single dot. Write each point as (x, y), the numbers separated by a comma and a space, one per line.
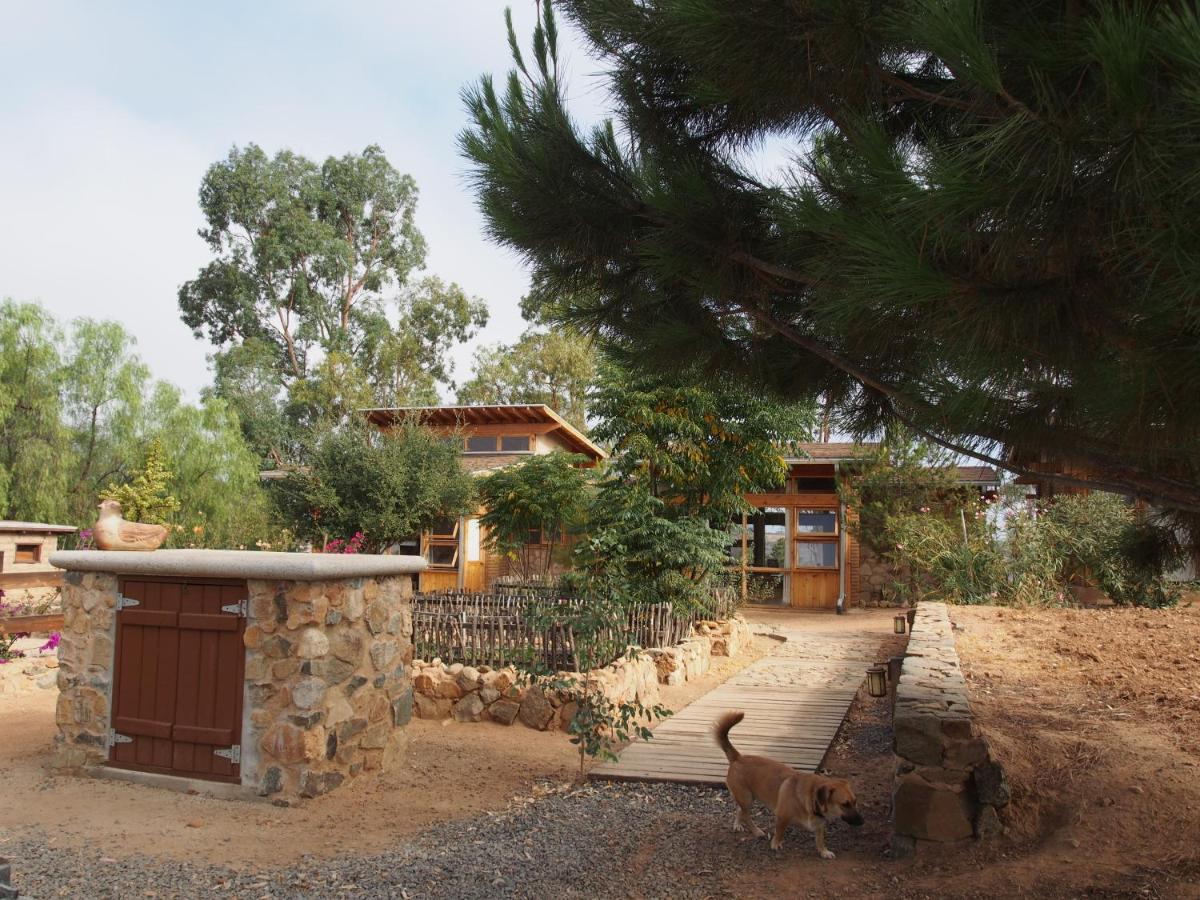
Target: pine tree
(985, 231)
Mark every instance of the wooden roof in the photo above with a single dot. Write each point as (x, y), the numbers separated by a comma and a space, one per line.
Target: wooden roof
(514, 414)
(8, 525)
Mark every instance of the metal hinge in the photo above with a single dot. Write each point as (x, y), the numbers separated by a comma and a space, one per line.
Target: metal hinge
(240, 607)
(123, 601)
(115, 738)
(233, 754)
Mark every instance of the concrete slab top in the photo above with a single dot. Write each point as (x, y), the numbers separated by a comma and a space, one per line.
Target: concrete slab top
(250, 564)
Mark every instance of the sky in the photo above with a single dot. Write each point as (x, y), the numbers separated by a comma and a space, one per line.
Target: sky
(112, 112)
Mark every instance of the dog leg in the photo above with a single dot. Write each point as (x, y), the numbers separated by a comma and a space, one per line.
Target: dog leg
(819, 835)
(743, 822)
(781, 824)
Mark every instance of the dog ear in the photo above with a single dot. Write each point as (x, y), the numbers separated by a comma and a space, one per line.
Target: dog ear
(824, 792)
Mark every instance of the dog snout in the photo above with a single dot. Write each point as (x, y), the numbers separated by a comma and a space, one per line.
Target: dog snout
(852, 817)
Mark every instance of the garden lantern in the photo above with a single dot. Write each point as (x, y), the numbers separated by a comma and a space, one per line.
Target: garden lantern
(893, 669)
(877, 681)
(898, 624)
(912, 616)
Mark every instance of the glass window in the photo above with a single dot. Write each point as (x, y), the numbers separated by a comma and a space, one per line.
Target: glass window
(474, 542)
(766, 538)
(481, 443)
(443, 554)
(444, 528)
(514, 443)
(816, 521)
(816, 554)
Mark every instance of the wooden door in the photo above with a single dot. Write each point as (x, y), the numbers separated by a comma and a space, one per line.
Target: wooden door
(177, 684)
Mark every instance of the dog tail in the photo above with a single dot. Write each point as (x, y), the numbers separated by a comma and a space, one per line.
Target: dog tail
(721, 732)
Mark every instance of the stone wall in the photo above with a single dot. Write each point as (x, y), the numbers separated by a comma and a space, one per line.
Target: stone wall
(875, 576)
(484, 694)
(85, 661)
(948, 785)
(327, 682)
(327, 686)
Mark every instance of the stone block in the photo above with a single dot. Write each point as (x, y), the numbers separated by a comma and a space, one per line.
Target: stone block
(931, 812)
(312, 644)
(438, 708)
(504, 711)
(536, 711)
(309, 692)
(468, 709)
(991, 785)
(917, 737)
(402, 708)
(347, 645)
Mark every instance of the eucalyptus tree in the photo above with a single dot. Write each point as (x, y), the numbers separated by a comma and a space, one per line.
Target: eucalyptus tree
(313, 269)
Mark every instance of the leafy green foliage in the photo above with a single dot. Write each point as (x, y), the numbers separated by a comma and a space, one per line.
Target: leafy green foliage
(701, 446)
(86, 411)
(33, 439)
(545, 494)
(554, 367)
(309, 298)
(899, 477)
(637, 547)
(145, 497)
(389, 486)
(684, 456)
(984, 229)
(975, 554)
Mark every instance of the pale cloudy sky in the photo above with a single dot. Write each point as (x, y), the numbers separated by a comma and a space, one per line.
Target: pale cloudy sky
(112, 112)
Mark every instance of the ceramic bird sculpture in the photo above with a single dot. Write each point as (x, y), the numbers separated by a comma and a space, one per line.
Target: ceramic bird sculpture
(114, 533)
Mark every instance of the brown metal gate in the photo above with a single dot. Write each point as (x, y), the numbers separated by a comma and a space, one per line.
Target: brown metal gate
(177, 688)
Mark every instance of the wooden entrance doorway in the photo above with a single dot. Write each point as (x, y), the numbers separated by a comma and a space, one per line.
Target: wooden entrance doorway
(792, 548)
(177, 683)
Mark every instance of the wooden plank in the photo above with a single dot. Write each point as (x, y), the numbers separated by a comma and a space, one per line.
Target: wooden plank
(31, 624)
(11, 581)
(794, 705)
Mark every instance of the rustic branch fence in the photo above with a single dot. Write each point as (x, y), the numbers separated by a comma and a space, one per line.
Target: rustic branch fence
(537, 630)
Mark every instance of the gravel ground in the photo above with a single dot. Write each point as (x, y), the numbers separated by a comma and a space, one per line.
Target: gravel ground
(576, 842)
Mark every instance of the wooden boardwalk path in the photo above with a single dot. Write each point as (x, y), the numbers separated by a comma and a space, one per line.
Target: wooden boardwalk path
(794, 700)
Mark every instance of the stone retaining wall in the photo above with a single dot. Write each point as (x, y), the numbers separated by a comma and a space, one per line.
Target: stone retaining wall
(948, 785)
(484, 694)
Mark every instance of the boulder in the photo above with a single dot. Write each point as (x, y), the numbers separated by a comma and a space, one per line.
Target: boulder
(536, 711)
(504, 711)
(931, 812)
(436, 708)
(468, 708)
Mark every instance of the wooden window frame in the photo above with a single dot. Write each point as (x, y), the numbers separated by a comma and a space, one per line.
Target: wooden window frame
(27, 554)
(495, 438)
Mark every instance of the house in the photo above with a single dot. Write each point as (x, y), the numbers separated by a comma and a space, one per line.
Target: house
(795, 549)
(25, 571)
(492, 437)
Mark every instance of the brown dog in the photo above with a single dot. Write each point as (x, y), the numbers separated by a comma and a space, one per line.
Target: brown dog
(810, 800)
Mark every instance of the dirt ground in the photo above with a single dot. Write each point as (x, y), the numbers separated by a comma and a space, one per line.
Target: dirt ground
(1095, 714)
(498, 764)
(1096, 717)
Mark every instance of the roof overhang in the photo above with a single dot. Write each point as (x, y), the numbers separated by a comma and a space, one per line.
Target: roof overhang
(509, 414)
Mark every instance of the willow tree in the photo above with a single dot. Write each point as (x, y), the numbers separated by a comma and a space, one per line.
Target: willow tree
(984, 229)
